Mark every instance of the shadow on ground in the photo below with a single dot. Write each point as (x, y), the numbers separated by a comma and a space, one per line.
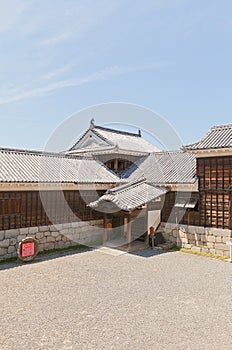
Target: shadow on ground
(43, 257)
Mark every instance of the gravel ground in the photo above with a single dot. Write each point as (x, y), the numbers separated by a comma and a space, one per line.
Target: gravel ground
(97, 300)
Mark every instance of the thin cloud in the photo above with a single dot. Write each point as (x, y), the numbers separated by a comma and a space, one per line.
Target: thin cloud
(56, 72)
(56, 39)
(104, 74)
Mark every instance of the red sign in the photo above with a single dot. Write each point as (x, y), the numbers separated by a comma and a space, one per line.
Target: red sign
(28, 249)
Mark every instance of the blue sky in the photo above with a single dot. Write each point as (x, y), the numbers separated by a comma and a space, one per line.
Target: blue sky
(58, 57)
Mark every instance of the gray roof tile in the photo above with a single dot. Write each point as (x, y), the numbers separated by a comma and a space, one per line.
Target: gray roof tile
(115, 138)
(176, 167)
(217, 137)
(128, 197)
(29, 166)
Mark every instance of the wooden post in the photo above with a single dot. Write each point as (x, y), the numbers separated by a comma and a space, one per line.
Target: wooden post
(188, 211)
(105, 229)
(129, 231)
(125, 226)
(116, 165)
(146, 226)
(152, 234)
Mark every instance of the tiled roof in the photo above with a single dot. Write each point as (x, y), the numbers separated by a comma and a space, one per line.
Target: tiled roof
(30, 166)
(218, 137)
(121, 139)
(176, 167)
(128, 197)
(102, 150)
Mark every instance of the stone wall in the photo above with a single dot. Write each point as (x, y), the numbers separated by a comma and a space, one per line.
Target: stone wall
(52, 237)
(198, 238)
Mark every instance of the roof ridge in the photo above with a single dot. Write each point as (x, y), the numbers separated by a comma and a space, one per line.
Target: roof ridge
(214, 132)
(167, 152)
(199, 141)
(43, 153)
(124, 187)
(117, 131)
(224, 126)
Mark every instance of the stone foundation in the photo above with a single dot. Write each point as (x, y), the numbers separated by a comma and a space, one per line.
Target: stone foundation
(52, 237)
(198, 238)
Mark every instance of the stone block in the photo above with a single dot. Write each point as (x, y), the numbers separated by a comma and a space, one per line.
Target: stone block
(2, 235)
(167, 228)
(11, 249)
(166, 236)
(197, 237)
(24, 230)
(59, 245)
(58, 238)
(221, 246)
(41, 247)
(192, 229)
(191, 236)
(65, 226)
(204, 250)
(59, 227)
(187, 246)
(171, 239)
(21, 237)
(203, 238)
(218, 239)
(53, 228)
(43, 240)
(33, 230)
(226, 253)
(13, 254)
(76, 237)
(182, 228)
(196, 249)
(208, 231)
(220, 232)
(225, 239)
(211, 239)
(39, 235)
(210, 245)
(11, 233)
(212, 251)
(50, 239)
(219, 252)
(43, 228)
(48, 246)
(200, 230)
(55, 234)
(13, 241)
(184, 240)
(64, 231)
(5, 243)
(192, 242)
(47, 233)
(181, 234)
(3, 251)
(64, 239)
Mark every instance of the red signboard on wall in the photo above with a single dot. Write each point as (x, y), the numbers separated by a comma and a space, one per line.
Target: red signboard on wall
(28, 249)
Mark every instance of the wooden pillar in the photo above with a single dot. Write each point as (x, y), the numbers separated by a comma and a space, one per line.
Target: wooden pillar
(129, 231)
(105, 229)
(116, 165)
(146, 226)
(125, 226)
